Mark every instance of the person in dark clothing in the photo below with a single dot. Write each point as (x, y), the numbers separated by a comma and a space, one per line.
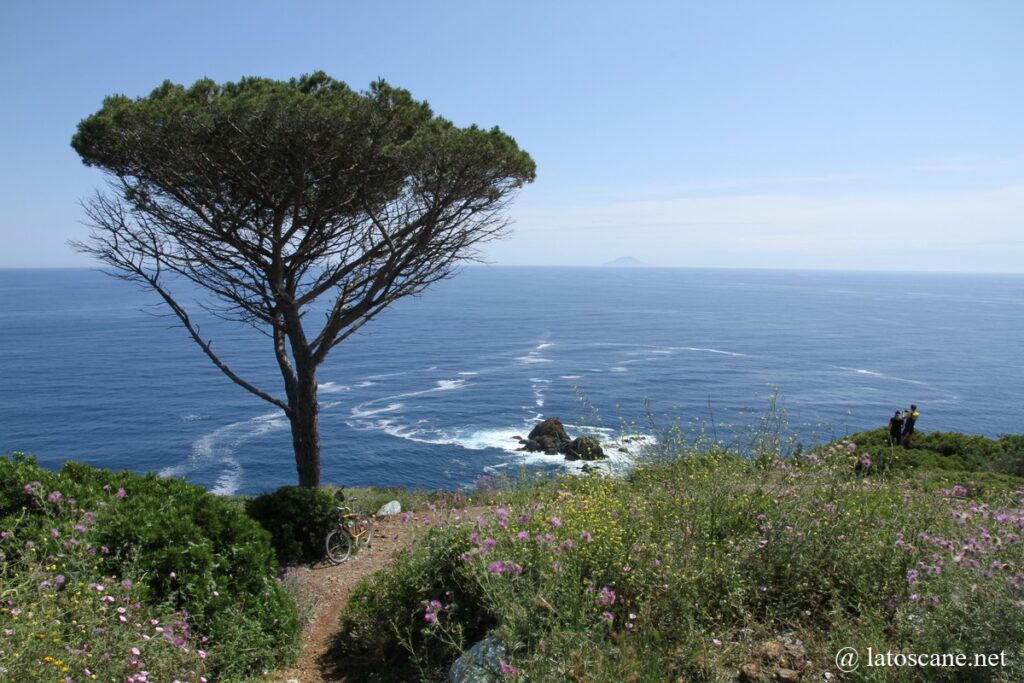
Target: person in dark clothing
(910, 417)
(895, 429)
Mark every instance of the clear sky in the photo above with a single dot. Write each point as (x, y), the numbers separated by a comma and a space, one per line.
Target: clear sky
(857, 135)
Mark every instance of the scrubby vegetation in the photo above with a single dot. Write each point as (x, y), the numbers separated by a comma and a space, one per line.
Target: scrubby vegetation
(950, 454)
(298, 519)
(113, 576)
(711, 567)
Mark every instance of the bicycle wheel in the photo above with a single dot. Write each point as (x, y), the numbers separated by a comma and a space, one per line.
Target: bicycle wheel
(339, 546)
(363, 531)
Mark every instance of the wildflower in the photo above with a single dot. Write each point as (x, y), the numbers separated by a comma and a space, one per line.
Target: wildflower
(135, 651)
(912, 576)
(201, 653)
(716, 642)
(489, 544)
(523, 536)
(54, 533)
(474, 537)
(608, 616)
(55, 497)
(121, 493)
(501, 513)
(567, 545)
(555, 522)
(585, 535)
(606, 597)
(506, 668)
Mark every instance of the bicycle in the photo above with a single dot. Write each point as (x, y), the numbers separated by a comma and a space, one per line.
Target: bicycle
(354, 530)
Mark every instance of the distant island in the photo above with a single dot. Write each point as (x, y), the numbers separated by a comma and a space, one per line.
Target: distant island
(627, 262)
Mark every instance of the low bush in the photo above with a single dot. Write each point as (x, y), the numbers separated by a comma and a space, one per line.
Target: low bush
(114, 574)
(298, 519)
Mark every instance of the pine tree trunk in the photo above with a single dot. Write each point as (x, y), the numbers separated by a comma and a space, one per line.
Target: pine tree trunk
(305, 421)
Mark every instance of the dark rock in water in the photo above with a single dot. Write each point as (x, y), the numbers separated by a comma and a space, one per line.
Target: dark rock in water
(549, 436)
(530, 445)
(584, 448)
(622, 449)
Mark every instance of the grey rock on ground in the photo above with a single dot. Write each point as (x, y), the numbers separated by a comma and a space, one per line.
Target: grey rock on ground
(390, 508)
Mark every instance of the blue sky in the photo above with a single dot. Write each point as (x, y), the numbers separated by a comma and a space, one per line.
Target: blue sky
(854, 135)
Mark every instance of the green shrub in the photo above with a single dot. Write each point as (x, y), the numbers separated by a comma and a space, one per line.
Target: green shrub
(386, 619)
(298, 519)
(173, 548)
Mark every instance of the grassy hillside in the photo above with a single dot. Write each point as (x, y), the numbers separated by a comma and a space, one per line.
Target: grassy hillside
(713, 567)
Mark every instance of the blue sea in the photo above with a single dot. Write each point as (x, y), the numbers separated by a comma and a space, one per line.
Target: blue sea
(433, 391)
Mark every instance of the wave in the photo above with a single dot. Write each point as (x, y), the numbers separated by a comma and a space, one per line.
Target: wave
(212, 455)
(332, 388)
(228, 481)
(360, 413)
(872, 373)
(531, 359)
(701, 349)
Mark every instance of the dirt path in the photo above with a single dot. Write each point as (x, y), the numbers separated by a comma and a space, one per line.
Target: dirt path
(328, 587)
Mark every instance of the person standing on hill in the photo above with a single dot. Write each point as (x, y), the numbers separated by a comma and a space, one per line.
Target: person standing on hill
(895, 429)
(909, 418)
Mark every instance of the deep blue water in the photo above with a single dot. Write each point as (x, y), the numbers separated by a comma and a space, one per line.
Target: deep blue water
(432, 392)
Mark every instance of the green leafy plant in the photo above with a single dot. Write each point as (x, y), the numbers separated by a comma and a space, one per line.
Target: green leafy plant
(298, 520)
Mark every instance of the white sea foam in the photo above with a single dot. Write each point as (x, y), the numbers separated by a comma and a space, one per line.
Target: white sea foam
(569, 376)
(469, 373)
(531, 359)
(365, 383)
(227, 483)
(450, 384)
(619, 368)
(701, 349)
(872, 373)
(216, 451)
(543, 345)
(332, 388)
(361, 413)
